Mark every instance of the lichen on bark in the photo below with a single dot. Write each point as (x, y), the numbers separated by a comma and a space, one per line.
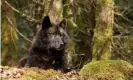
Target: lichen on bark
(103, 30)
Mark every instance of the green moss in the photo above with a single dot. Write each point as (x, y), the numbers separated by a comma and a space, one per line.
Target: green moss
(33, 73)
(39, 74)
(103, 30)
(107, 70)
(9, 39)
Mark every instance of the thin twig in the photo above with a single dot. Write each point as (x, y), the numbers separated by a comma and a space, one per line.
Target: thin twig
(14, 40)
(123, 17)
(23, 36)
(18, 31)
(36, 2)
(22, 14)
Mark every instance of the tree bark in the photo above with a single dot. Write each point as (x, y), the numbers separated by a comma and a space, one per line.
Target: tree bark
(81, 21)
(70, 49)
(9, 36)
(103, 30)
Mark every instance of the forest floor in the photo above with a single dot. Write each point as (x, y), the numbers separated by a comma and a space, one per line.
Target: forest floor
(95, 70)
(13, 73)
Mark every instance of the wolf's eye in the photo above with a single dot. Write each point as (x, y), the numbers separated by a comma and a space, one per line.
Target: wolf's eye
(61, 34)
(51, 30)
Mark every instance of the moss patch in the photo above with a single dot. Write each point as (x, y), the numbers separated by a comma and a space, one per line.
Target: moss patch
(107, 70)
(34, 73)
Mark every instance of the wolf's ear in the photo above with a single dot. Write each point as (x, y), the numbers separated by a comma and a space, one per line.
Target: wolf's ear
(46, 23)
(63, 23)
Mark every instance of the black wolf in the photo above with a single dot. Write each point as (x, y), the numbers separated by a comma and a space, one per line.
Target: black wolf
(48, 45)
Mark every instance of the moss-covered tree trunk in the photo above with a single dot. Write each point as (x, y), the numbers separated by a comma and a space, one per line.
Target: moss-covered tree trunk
(9, 36)
(81, 21)
(52, 8)
(70, 49)
(55, 10)
(103, 30)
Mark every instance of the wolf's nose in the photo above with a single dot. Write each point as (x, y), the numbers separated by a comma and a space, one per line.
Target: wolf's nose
(61, 45)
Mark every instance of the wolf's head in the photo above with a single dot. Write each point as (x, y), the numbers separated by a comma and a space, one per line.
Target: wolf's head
(54, 36)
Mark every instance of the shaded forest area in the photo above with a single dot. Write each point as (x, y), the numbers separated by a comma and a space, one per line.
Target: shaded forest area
(100, 31)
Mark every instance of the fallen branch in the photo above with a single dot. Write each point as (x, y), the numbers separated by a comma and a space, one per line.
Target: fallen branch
(22, 14)
(18, 31)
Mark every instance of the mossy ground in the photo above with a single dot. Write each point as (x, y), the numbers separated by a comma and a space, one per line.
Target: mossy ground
(96, 70)
(12, 73)
(107, 70)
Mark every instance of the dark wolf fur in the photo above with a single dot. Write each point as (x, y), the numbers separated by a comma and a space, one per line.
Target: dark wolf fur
(47, 50)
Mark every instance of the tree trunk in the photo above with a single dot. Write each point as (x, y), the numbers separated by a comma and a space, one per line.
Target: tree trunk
(103, 30)
(9, 36)
(70, 49)
(52, 8)
(81, 21)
